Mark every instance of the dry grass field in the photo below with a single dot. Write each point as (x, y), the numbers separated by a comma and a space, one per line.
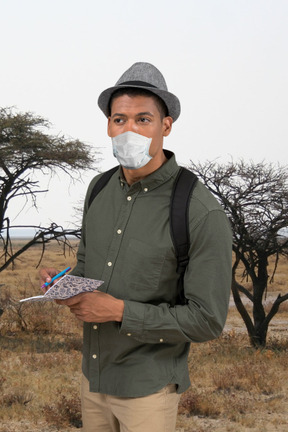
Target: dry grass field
(234, 388)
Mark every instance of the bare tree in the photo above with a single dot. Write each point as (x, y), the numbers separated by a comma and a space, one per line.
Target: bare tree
(255, 198)
(26, 149)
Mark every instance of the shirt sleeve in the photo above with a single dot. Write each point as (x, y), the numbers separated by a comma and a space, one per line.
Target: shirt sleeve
(79, 269)
(207, 283)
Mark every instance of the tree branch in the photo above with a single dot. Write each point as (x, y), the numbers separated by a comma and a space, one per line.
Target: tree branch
(43, 236)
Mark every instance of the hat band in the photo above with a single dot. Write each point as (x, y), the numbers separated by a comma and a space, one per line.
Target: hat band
(137, 83)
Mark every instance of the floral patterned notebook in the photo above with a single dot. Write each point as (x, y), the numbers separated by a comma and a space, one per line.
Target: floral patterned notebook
(68, 286)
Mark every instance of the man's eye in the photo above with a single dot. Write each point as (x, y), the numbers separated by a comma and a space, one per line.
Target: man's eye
(118, 120)
(144, 120)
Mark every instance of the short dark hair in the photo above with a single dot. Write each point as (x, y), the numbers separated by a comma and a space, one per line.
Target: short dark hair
(133, 91)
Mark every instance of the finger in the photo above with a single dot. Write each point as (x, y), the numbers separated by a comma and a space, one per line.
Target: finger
(77, 313)
(71, 301)
(76, 299)
(59, 302)
(63, 302)
(46, 274)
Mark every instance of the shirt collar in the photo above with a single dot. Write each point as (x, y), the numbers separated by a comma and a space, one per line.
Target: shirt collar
(158, 177)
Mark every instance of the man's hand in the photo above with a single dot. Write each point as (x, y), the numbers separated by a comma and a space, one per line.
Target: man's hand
(46, 274)
(95, 307)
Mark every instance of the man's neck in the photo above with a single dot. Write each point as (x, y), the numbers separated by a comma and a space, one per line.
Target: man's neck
(135, 175)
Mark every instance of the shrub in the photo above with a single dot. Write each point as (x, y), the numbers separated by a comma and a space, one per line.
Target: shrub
(66, 411)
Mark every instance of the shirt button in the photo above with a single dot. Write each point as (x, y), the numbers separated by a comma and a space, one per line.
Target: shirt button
(119, 231)
(145, 189)
(109, 264)
(161, 340)
(129, 198)
(94, 356)
(95, 327)
(128, 334)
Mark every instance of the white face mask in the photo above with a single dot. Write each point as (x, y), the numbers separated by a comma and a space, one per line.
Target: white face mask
(131, 149)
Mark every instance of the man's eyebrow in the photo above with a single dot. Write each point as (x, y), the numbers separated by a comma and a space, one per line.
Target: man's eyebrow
(138, 114)
(118, 115)
(145, 113)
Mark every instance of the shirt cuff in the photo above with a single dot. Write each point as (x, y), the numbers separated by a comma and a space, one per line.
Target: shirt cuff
(133, 318)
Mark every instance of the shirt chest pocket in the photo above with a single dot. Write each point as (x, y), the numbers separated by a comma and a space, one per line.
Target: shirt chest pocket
(141, 271)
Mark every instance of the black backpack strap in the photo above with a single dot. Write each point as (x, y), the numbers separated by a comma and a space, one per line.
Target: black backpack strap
(179, 220)
(103, 180)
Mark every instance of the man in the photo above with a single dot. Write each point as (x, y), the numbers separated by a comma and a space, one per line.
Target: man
(136, 339)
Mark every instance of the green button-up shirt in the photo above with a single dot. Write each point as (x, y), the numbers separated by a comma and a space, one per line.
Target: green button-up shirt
(126, 243)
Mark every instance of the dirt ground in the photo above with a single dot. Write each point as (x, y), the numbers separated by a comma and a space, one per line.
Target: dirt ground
(271, 414)
(269, 420)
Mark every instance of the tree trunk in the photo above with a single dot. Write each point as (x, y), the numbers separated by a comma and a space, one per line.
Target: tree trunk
(259, 288)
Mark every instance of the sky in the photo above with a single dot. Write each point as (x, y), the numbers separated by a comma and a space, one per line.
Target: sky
(226, 60)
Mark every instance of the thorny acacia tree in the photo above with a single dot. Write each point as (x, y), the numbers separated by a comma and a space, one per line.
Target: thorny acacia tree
(255, 198)
(25, 150)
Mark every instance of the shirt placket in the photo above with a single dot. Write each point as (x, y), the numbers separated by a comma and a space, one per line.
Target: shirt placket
(130, 197)
(119, 232)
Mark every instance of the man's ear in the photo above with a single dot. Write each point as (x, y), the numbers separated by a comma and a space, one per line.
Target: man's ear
(167, 125)
(108, 126)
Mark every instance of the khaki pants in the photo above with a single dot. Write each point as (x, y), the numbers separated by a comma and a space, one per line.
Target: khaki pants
(153, 413)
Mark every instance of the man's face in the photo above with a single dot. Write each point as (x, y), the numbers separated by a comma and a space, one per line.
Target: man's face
(141, 115)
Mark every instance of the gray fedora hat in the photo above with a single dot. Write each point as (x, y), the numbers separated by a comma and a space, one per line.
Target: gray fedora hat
(143, 76)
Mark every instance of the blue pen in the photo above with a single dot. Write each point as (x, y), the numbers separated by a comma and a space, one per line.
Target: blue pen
(56, 277)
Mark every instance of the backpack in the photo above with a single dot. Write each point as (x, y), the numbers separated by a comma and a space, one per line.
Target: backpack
(183, 187)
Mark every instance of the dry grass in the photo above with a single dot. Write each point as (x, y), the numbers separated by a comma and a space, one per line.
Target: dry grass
(234, 388)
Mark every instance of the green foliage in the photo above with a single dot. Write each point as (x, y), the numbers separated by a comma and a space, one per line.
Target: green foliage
(25, 144)
(27, 147)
